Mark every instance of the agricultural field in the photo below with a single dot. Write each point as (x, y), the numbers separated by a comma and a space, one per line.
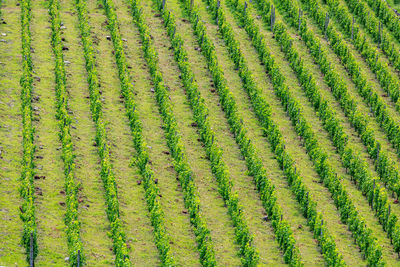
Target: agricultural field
(199, 132)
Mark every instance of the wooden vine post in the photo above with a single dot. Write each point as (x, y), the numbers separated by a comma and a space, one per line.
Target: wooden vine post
(272, 18)
(379, 34)
(78, 259)
(31, 261)
(326, 24)
(300, 15)
(217, 12)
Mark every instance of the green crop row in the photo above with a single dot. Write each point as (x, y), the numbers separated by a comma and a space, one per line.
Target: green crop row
(374, 27)
(27, 189)
(64, 122)
(151, 189)
(349, 215)
(387, 81)
(315, 220)
(384, 165)
(325, 112)
(109, 182)
(387, 219)
(242, 233)
(205, 244)
(384, 12)
(266, 189)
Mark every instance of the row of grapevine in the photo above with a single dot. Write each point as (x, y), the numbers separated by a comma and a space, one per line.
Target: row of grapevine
(27, 189)
(349, 215)
(249, 254)
(331, 123)
(384, 165)
(315, 219)
(151, 189)
(266, 189)
(64, 122)
(387, 81)
(142, 160)
(375, 28)
(174, 141)
(386, 14)
(377, 105)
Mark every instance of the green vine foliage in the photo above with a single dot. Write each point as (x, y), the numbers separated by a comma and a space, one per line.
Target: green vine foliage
(384, 12)
(387, 81)
(151, 189)
(64, 122)
(385, 166)
(375, 194)
(109, 182)
(377, 31)
(349, 215)
(254, 164)
(322, 107)
(315, 220)
(27, 190)
(242, 233)
(377, 105)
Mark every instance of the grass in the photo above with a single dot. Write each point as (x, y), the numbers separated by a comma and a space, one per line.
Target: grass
(11, 251)
(375, 84)
(130, 195)
(182, 239)
(243, 184)
(292, 141)
(394, 4)
(49, 206)
(358, 200)
(307, 244)
(92, 207)
(50, 199)
(210, 201)
(355, 141)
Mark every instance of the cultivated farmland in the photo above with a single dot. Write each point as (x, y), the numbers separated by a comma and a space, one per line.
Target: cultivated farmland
(199, 132)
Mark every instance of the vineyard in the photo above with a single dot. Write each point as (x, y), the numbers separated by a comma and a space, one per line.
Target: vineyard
(199, 132)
